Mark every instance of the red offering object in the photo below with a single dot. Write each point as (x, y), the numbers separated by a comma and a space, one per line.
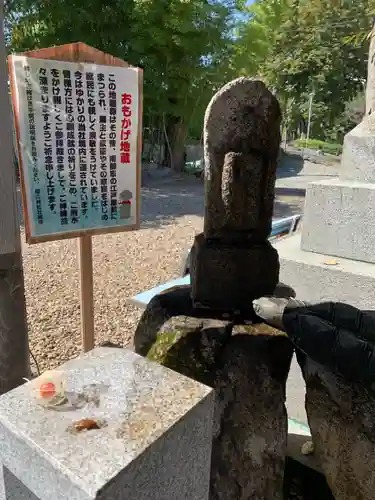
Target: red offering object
(86, 424)
(47, 390)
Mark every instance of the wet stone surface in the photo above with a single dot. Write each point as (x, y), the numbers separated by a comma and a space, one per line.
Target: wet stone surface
(118, 405)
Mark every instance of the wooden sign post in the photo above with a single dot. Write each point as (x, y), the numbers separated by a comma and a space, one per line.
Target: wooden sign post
(87, 292)
(78, 120)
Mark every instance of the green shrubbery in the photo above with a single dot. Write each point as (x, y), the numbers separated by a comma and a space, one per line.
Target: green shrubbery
(325, 147)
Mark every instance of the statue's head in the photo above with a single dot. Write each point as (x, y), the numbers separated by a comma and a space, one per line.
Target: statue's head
(243, 116)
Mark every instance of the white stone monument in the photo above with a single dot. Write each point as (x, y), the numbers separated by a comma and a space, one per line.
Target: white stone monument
(334, 257)
(154, 440)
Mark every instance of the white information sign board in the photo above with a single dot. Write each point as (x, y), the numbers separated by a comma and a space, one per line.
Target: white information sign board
(79, 140)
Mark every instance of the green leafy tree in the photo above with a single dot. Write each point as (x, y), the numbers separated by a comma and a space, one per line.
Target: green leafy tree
(257, 33)
(352, 115)
(184, 47)
(310, 46)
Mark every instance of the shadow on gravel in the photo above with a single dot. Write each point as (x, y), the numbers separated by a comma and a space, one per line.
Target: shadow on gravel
(289, 165)
(164, 202)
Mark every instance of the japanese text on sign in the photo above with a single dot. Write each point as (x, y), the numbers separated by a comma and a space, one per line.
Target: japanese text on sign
(78, 138)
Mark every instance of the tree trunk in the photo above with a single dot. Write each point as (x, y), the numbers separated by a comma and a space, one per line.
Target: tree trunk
(175, 145)
(178, 136)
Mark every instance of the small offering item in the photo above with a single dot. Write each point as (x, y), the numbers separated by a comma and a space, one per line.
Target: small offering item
(49, 388)
(86, 424)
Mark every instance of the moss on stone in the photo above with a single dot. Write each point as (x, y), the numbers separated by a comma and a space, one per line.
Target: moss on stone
(183, 351)
(191, 352)
(161, 346)
(260, 329)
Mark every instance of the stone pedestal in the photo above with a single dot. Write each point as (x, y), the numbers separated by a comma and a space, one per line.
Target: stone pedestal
(227, 277)
(339, 218)
(247, 365)
(156, 442)
(314, 279)
(338, 225)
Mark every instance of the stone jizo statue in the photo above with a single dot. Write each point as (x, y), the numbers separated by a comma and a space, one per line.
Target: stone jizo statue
(232, 261)
(204, 331)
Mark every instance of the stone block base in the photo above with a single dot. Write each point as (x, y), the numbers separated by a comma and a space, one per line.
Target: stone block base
(358, 156)
(247, 365)
(349, 281)
(156, 443)
(339, 219)
(228, 277)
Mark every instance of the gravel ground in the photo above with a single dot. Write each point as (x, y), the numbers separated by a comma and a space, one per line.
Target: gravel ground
(124, 264)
